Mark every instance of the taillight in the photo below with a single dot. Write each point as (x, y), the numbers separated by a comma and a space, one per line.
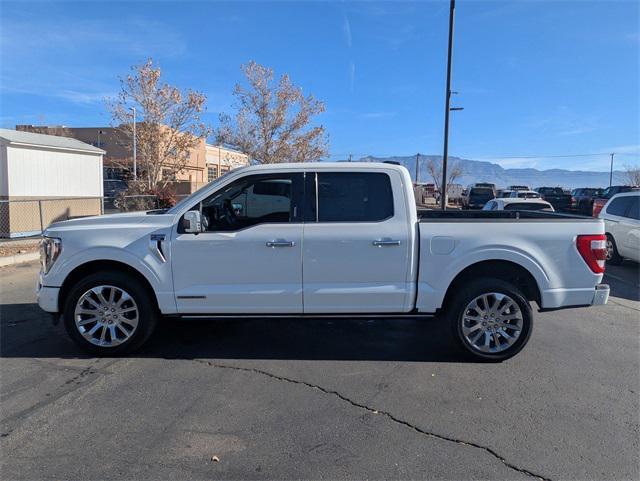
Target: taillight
(573, 201)
(593, 249)
(597, 206)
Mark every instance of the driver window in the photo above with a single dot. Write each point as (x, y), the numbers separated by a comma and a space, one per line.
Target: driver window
(252, 200)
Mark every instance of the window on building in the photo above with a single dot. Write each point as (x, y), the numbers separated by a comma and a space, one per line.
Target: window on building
(354, 197)
(168, 174)
(212, 172)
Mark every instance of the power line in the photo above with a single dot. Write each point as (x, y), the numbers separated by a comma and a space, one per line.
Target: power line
(547, 156)
(481, 157)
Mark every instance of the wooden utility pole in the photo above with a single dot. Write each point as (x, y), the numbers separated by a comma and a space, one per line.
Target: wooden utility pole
(417, 168)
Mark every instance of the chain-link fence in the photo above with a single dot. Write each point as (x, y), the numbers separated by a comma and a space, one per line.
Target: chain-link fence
(133, 203)
(29, 217)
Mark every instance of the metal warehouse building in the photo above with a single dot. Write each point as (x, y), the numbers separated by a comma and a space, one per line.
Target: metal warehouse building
(46, 178)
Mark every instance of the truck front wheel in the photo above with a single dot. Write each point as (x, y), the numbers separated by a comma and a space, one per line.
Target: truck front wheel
(491, 319)
(109, 313)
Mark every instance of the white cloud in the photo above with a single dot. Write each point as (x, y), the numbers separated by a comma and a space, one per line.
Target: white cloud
(346, 28)
(376, 115)
(352, 75)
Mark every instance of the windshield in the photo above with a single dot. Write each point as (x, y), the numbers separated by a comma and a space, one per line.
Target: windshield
(551, 190)
(527, 206)
(608, 192)
(481, 193)
(528, 195)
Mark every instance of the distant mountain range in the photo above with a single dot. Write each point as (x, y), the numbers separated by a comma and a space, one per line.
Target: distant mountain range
(482, 171)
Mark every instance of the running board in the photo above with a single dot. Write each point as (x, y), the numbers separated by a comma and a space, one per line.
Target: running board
(410, 315)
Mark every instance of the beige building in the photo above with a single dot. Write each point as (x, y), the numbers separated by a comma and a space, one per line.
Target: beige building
(206, 162)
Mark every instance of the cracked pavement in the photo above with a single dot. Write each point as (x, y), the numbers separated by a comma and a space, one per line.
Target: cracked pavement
(321, 399)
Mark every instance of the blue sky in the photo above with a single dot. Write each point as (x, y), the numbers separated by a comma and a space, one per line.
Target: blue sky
(538, 78)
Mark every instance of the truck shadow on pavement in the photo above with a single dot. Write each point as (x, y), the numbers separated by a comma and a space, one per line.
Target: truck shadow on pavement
(25, 331)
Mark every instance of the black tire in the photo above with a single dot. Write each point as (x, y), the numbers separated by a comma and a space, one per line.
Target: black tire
(456, 309)
(613, 256)
(146, 305)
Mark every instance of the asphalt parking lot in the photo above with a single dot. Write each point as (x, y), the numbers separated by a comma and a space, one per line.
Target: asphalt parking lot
(322, 399)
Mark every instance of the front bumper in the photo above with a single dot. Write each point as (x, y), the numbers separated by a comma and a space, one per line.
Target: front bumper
(601, 295)
(47, 297)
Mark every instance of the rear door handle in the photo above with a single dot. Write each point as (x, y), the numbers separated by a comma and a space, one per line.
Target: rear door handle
(280, 243)
(386, 243)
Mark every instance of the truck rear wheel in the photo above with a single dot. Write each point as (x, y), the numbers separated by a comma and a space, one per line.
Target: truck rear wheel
(109, 313)
(491, 319)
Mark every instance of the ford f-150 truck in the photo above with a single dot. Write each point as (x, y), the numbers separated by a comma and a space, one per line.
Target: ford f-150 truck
(318, 240)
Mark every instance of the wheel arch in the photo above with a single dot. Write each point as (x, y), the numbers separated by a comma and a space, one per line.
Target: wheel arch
(505, 270)
(103, 265)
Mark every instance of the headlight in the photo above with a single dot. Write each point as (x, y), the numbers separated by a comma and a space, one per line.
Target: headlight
(50, 248)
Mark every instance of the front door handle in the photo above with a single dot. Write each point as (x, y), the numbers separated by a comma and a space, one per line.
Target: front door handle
(385, 243)
(280, 243)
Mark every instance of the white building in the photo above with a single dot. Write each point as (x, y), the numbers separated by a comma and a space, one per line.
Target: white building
(46, 178)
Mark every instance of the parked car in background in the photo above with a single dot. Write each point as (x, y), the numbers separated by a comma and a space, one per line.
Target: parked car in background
(558, 198)
(608, 193)
(477, 195)
(334, 240)
(582, 199)
(524, 194)
(515, 203)
(112, 187)
(501, 194)
(621, 215)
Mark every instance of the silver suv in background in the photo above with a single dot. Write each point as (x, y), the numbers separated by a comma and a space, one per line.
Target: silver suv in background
(621, 216)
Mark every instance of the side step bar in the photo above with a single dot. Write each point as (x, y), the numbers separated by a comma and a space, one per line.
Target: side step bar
(410, 315)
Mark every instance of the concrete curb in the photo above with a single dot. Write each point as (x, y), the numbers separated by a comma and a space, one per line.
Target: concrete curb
(19, 258)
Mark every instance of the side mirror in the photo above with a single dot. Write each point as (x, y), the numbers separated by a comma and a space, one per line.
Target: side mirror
(192, 222)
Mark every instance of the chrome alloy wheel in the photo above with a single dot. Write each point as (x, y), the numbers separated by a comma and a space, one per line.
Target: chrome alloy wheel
(492, 322)
(610, 248)
(106, 316)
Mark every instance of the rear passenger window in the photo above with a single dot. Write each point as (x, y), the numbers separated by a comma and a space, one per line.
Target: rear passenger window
(619, 206)
(354, 197)
(634, 208)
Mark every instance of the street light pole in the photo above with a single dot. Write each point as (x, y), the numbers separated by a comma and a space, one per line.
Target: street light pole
(135, 163)
(443, 185)
(611, 171)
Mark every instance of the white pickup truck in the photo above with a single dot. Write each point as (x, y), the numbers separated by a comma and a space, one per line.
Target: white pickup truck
(318, 240)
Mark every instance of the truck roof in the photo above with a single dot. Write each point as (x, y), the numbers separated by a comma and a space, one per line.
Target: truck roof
(323, 166)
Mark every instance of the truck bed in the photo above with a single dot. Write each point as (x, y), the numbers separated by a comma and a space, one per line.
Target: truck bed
(544, 243)
(428, 215)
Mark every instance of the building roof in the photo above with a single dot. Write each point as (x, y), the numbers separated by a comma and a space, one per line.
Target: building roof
(17, 137)
(225, 147)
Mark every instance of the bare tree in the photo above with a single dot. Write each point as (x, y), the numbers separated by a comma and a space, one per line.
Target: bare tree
(168, 122)
(434, 168)
(273, 120)
(631, 174)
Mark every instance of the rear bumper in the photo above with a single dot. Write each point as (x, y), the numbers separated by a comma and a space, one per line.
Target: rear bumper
(564, 298)
(601, 295)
